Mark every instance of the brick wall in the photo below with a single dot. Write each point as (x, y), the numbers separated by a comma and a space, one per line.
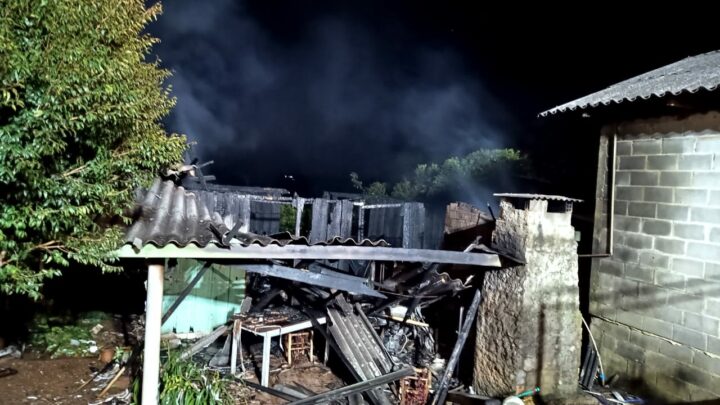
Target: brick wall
(655, 304)
(460, 216)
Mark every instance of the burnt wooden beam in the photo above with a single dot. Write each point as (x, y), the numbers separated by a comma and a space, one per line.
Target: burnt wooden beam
(417, 297)
(274, 392)
(322, 277)
(265, 300)
(204, 342)
(443, 385)
(356, 388)
(463, 398)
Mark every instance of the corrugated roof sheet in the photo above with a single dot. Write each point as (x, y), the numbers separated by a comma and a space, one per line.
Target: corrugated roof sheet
(537, 197)
(701, 72)
(168, 214)
(285, 238)
(361, 348)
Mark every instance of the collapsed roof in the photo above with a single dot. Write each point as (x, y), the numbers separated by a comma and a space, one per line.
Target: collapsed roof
(173, 222)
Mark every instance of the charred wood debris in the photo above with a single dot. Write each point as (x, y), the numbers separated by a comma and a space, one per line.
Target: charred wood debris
(369, 315)
(381, 343)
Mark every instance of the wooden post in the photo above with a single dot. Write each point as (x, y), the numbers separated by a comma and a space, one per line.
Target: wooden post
(265, 368)
(245, 214)
(346, 218)
(319, 229)
(153, 321)
(335, 224)
(442, 387)
(326, 335)
(235, 336)
(312, 347)
(299, 203)
(361, 223)
(288, 349)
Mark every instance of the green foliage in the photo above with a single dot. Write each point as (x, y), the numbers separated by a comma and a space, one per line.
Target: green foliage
(62, 341)
(80, 130)
(183, 382)
(432, 179)
(65, 337)
(375, 189)
(287, 218)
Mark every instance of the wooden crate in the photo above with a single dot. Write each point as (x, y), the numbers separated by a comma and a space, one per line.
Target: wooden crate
(297, 345)
(414, 390)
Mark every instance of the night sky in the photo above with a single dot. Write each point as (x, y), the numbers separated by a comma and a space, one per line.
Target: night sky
(317, 89)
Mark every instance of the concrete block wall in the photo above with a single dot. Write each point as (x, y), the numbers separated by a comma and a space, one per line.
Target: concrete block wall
(655, 304)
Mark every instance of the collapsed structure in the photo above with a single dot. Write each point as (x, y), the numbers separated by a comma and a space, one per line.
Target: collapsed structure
(359, 273)
(334, 278)
(303, 280)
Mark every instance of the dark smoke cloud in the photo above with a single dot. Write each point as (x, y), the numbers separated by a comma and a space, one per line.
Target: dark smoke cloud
(328, 94)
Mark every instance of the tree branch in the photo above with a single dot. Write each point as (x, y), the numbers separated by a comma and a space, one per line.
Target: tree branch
(74, 171)
(51, 245)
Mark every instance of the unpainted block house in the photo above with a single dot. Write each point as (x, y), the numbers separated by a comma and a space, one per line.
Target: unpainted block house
(655, 281)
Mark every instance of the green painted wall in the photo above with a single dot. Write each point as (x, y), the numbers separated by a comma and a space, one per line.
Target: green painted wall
(214, 299)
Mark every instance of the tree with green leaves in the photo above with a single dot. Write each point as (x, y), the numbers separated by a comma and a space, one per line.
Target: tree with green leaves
(432, 179)
(81, 104)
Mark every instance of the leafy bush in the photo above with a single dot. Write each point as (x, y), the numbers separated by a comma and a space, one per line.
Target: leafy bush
(81, 109)
(183, 382)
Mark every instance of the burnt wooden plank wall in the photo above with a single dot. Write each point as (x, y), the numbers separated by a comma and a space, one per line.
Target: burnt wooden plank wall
(319, 227)
(413, 220)
(230, 206)
(408, 225)
(264, 217)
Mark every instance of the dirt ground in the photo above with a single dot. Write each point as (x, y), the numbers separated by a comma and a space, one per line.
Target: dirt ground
(40, 380)
(50, 381)
(56, 381)
(314, 377)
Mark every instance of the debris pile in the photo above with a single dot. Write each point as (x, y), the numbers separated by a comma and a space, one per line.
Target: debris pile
(359, 275)
(370, 331)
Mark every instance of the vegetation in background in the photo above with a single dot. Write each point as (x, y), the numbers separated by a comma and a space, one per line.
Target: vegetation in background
(183, 382)
(62, 337)
(432, 179)
(81, 104)
(287, 218)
